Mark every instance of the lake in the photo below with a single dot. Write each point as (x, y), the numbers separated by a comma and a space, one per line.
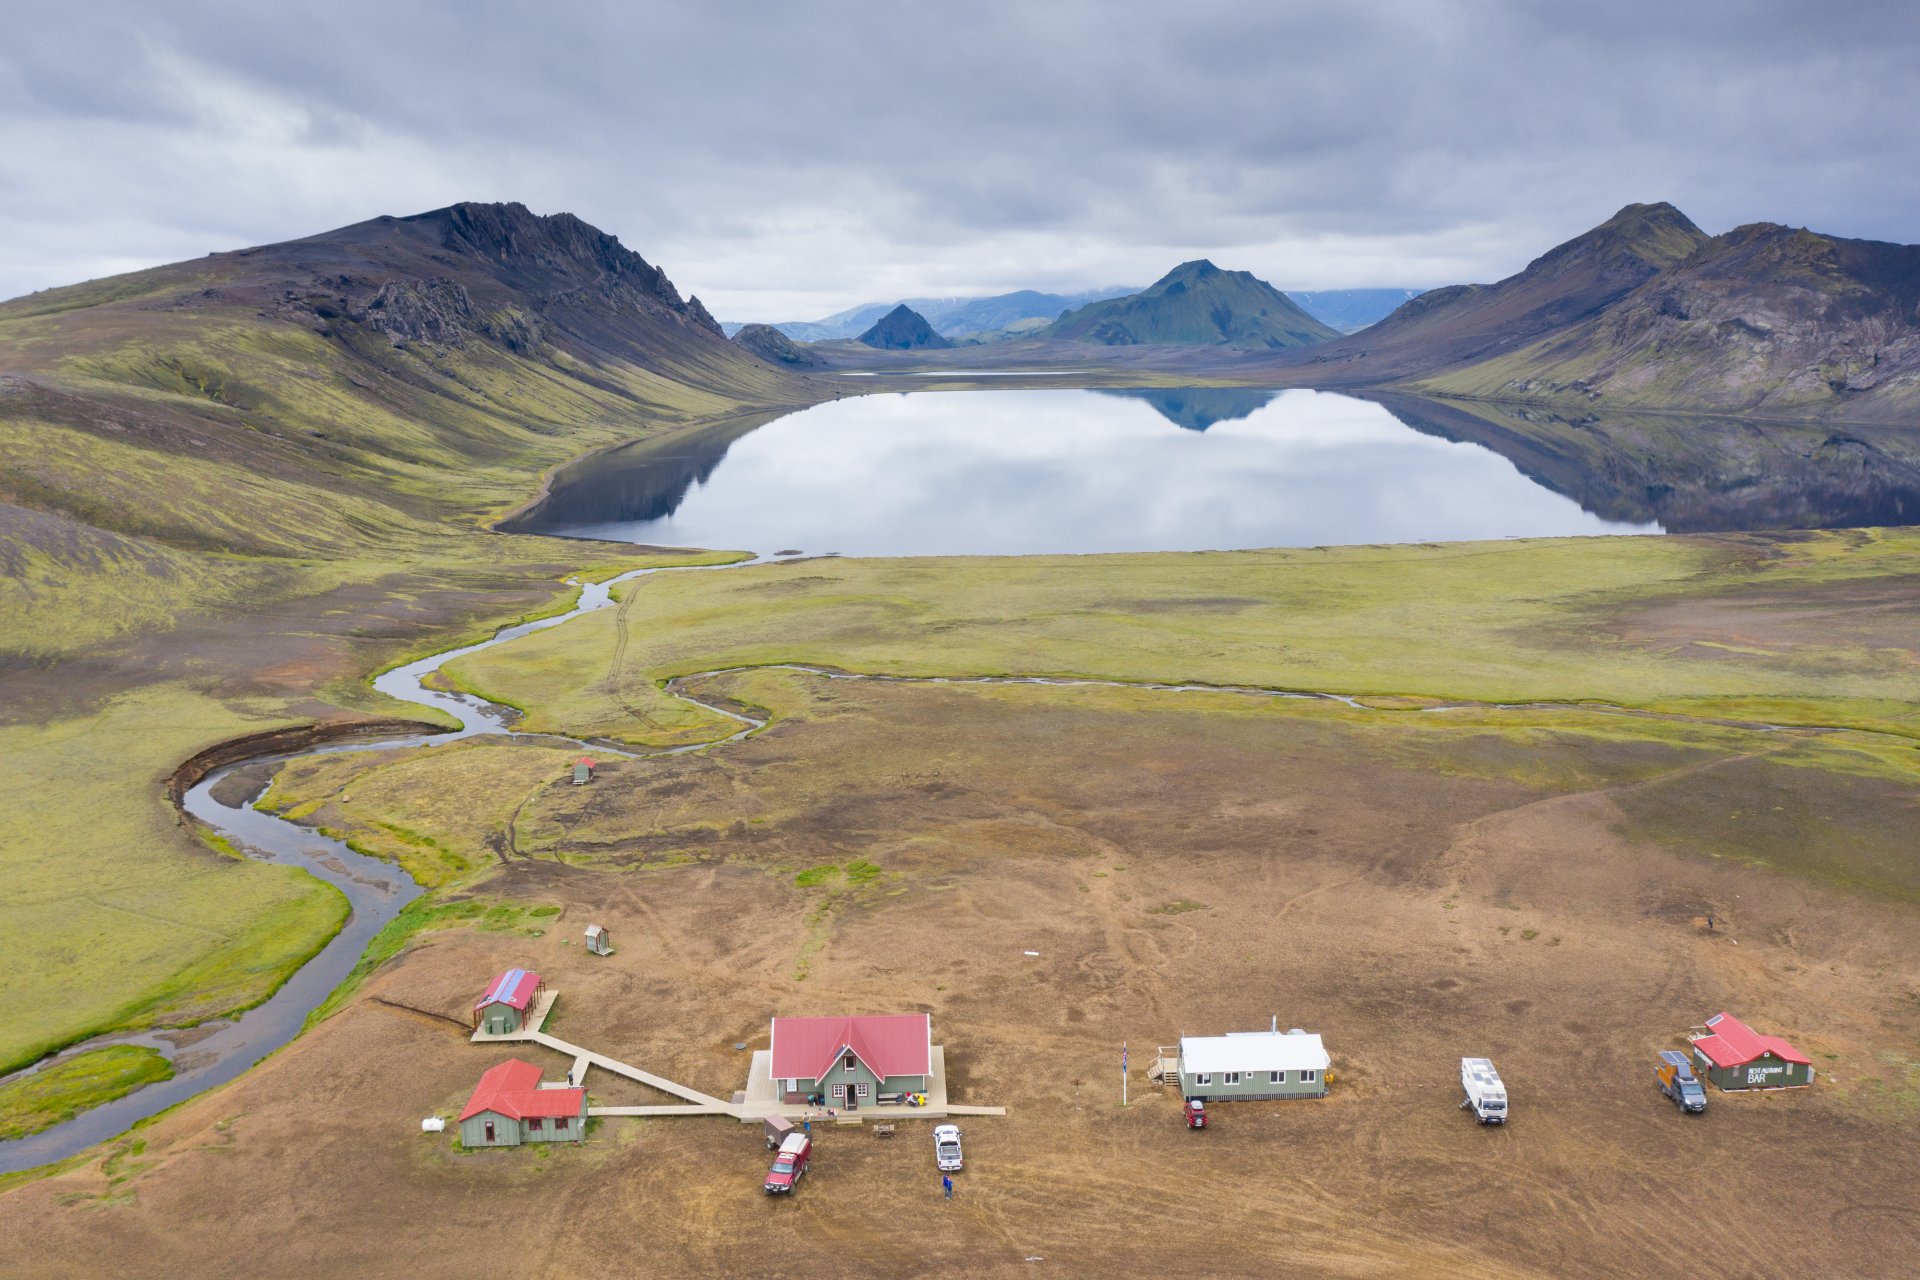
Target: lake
(1025, 472)
(1035, 471)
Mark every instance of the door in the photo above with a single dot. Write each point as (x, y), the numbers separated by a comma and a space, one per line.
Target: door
(853, 1098)
(489, 1132)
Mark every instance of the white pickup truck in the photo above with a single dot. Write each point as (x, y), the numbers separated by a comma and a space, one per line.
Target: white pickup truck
(946, 1147)
(1486, 1095)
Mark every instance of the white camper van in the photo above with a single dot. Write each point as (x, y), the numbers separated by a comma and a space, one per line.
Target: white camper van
(1486, 1096)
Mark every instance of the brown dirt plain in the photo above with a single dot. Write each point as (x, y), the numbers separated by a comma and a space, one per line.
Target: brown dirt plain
(1530, 885)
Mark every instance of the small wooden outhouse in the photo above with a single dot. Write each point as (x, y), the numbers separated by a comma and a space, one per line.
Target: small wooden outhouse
(582, 771)
(598, 941)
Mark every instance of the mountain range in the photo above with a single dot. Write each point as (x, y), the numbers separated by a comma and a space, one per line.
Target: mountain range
(1027, 311)
(950, 317)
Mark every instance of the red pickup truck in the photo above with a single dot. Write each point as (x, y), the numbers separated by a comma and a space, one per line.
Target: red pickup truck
(1195, 1112)
(796, 1153)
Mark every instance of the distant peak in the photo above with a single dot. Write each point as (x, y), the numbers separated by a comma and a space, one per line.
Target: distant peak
(1198, 267)
(1658, 234)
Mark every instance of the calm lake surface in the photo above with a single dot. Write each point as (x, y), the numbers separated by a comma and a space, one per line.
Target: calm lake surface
(1062, 471)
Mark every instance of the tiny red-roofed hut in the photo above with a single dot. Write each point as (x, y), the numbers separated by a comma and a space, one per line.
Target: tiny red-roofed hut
(503, 1009)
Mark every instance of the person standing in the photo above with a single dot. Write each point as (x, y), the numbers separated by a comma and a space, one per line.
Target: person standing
(946, 1185)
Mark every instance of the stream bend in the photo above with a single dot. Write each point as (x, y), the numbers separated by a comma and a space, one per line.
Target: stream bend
(219, 1050)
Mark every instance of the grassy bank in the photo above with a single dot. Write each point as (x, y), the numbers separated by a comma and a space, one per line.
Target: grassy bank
(1815, 629)
(86, 1080)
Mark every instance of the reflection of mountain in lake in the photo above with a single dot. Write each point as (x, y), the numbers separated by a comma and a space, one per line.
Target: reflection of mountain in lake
(1685, 474)
(643, 481)
(1197, 408)
(1694, 474)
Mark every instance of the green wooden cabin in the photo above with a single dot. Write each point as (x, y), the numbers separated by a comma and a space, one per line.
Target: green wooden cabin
(509, 1107)
(1253, 1065)
(1735, 1056)
(853, 1062)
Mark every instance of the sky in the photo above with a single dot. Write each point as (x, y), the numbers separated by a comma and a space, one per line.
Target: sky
(784, 161)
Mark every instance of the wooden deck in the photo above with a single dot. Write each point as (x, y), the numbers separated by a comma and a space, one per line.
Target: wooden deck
(529, 1026)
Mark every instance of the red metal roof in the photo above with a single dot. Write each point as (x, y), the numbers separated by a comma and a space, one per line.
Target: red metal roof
(890, 1044)
(513, 1090)
(1735, 1044)
(514, 988)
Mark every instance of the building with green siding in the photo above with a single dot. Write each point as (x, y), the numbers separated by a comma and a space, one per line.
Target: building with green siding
(510, 1106)
(852, 1062)
(509, 999)
(1253, 1065)
(1735, 1056)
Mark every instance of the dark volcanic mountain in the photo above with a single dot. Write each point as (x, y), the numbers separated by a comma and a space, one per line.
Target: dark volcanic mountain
(1450, 327)
(1765, 319)
(366, 379)
(903, 329)
(775, 347)
(1199, 305)
(1646, 311)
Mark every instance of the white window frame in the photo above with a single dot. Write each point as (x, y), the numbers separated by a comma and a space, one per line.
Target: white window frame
(1230, 1077)
(847, 1063)
(1308, 1077)
(1204, 1077)
(1276, 1077)
(839, 1091)
(860, 1090)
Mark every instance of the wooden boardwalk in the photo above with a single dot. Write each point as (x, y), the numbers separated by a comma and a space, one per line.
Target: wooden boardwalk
(760, 1100)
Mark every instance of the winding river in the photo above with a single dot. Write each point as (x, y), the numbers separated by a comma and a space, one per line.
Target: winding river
(216, 1052)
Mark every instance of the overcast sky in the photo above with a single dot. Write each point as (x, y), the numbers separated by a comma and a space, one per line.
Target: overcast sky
(786, 160)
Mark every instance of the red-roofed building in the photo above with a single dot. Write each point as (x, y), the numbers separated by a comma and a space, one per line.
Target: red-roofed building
(852, 1061)
(509, 998)
(1735, 1056)
(509, 1107)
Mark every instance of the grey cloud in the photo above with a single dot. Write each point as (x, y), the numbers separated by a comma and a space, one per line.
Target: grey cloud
(774, 156)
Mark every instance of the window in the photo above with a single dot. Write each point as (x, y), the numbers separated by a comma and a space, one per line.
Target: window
(1232, 1077)
(1205, 1077)
(839, 1091)
(860, 1091)
(1276, 1077)
(560, 1125)
(536, 1124)
(1308, 1077)
(846, 1063)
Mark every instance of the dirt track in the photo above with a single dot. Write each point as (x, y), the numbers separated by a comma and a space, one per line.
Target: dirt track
(1180, 866)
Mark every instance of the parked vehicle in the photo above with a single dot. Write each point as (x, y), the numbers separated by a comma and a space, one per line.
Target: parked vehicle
(796, 1155)
(775, 1129)
(1486, 1095)
(1674, 1074)
(1195, 1113)
(946, 1147)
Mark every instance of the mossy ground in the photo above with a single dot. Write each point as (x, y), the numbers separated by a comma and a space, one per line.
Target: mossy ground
(73, 1085)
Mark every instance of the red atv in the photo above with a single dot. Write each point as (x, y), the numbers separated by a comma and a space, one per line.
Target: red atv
(1195, 1112)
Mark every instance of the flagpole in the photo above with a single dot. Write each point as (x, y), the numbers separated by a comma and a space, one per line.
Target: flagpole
(1123, 1073)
